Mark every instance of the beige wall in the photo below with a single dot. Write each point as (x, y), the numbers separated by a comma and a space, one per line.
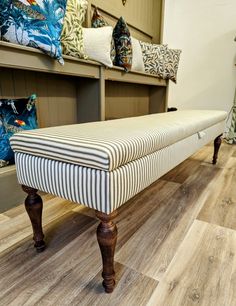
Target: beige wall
(143, 17)
(205, 31)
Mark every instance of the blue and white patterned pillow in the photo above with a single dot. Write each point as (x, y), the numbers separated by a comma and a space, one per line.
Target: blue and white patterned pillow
(15, 115)
(34, 23)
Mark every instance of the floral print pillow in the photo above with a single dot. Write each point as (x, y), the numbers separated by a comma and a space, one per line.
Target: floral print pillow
(34, 23)
(121, 35)
(15, 115)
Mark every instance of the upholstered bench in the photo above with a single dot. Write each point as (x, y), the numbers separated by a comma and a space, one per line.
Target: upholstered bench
(104, 164)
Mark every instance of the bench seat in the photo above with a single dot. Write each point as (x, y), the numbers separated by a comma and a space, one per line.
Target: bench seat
(110, 144)
(72, 161)
(104, 164)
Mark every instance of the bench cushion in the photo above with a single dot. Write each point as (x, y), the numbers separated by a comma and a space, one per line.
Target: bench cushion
(103, 190)
(111, 144)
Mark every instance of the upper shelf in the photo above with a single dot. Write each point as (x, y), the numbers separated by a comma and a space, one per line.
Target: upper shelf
(118, 74)
(26, 58)
(21, 57)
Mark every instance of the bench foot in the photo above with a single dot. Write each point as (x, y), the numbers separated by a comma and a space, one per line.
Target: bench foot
(34, 208)
(217, 143)
(107, 236)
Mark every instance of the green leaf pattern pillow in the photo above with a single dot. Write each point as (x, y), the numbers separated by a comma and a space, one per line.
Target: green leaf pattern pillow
(72, 32)
(154, 58)
(172, 58)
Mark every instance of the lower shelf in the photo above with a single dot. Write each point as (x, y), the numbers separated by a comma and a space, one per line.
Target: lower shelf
(10, 191)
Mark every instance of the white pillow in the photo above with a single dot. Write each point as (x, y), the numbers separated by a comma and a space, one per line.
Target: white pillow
(97, 44)
(137, 60)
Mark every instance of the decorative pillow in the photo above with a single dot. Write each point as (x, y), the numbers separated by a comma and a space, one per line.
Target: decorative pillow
(36, 23)
(4, 16)
(137, 60)
(97, 44)
(97, 22)
(154, 58)
(72, 32)
(15, 115)
(123, 44)
(172, 58)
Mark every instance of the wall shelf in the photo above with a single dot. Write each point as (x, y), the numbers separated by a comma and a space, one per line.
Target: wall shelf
(26, 58)
(96, 86)
(119, 75)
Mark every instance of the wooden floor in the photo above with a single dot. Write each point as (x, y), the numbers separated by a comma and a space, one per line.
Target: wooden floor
(176, 245)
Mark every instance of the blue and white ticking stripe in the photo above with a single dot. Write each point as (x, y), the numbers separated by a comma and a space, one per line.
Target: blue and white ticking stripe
(111, 144)
(103, 190)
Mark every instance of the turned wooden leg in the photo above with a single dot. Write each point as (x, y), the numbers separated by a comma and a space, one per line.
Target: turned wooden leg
(107, 236)
(34, 207)
(217, 143)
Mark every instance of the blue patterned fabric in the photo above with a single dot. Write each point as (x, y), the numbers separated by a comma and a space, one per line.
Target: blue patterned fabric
(15, 116)
(4, 15)
(34, 23)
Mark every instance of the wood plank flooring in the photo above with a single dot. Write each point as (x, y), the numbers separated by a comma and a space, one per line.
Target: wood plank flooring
(207, 276)
(176, 244)
(220, 206)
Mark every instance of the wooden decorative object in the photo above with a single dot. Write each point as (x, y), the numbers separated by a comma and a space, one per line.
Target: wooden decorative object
(34, 208)
(107, 236)
(217, 143)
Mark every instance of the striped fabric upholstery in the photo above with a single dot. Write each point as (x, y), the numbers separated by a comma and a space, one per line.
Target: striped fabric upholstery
(103, 190)
(111, 144)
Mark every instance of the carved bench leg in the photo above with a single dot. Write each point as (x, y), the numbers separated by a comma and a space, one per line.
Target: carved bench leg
(34, 207)
(217, 143)
(107, 236)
